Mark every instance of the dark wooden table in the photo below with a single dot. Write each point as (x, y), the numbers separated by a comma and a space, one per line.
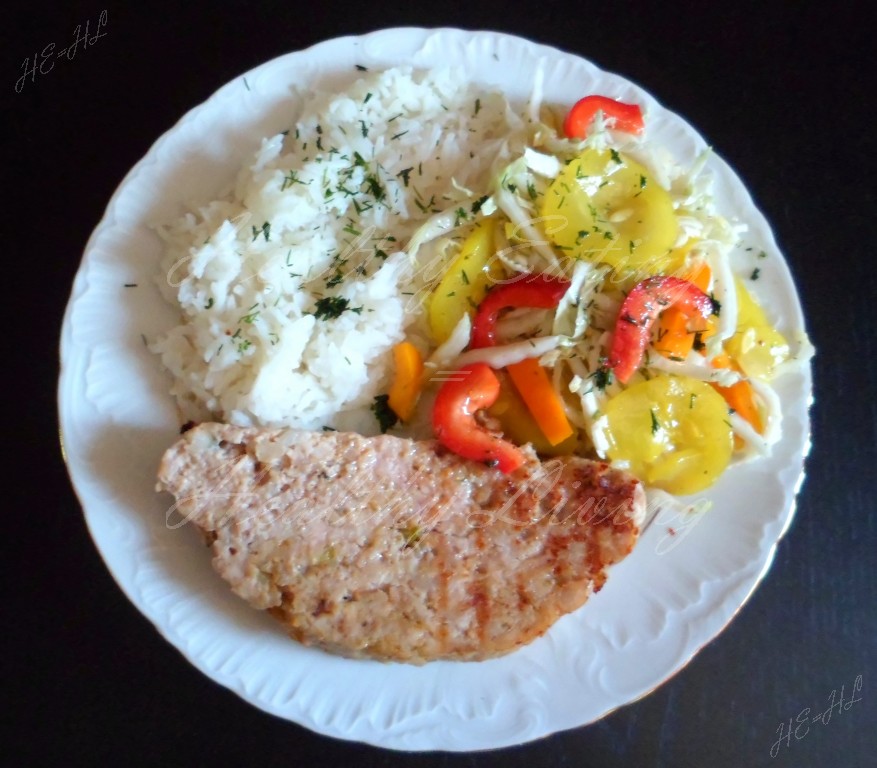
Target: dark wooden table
(781, 91)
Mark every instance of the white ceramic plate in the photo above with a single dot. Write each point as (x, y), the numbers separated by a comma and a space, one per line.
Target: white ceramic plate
(662, 604)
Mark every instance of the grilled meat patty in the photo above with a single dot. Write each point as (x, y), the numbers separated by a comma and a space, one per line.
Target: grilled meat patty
(390, 548)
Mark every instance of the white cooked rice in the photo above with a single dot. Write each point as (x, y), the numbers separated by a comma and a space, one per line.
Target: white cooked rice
(337, 196)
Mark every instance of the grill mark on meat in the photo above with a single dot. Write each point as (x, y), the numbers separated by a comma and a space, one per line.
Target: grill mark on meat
(444, 576)
(311, 527)
(521, 590)
(554, 549)
(480, 591)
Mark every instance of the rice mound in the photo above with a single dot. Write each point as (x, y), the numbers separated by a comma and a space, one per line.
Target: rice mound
(295, 287)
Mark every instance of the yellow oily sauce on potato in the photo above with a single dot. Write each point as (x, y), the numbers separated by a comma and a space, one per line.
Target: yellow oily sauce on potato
(465, 282)
(606, 207)
(673, 432)
(756, 346)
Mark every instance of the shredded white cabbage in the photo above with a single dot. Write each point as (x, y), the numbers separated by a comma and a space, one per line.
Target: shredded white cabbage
(694, 366)
(724, 290)
(545, 165)
(509, 354)
(773, 411)
(447, 221)
(453, 347)
(571, 317)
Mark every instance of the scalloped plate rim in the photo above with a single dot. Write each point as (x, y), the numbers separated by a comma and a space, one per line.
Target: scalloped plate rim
(68, 433)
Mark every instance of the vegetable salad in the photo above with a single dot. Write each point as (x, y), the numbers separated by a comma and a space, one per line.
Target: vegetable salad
(585, 302)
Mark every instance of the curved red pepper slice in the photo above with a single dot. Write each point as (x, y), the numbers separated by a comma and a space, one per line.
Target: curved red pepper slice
(640, 310)
(628, 117)
(453, 418)
(537, 291)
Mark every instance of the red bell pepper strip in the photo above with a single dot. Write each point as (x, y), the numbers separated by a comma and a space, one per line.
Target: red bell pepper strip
(640, 310)
(628, 117)
(538, 291)
(453, 419)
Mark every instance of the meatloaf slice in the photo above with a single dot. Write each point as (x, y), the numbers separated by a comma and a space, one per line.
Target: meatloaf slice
(390, 548)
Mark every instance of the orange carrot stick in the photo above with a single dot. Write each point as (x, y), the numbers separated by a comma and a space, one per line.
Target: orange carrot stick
(533, 384)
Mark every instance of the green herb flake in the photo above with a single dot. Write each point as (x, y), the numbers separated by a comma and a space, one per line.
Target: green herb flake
(330, 307)
(374, 186)
(385, 415)
(361, 68)
(251, 316)
(405, 174)
(425, 207)
(616, 158)
(290, 179)
(656, 425)
(717, 305)
(476, 206)
(265, 230)
(363, 128)
(602, 377)
(411, 533)
(367, 97)
(756, 273)
(477, 106)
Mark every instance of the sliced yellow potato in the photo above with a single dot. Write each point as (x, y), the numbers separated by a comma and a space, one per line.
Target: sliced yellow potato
(673, 432)
(466, 281)
(606, 207)
(756, 346)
